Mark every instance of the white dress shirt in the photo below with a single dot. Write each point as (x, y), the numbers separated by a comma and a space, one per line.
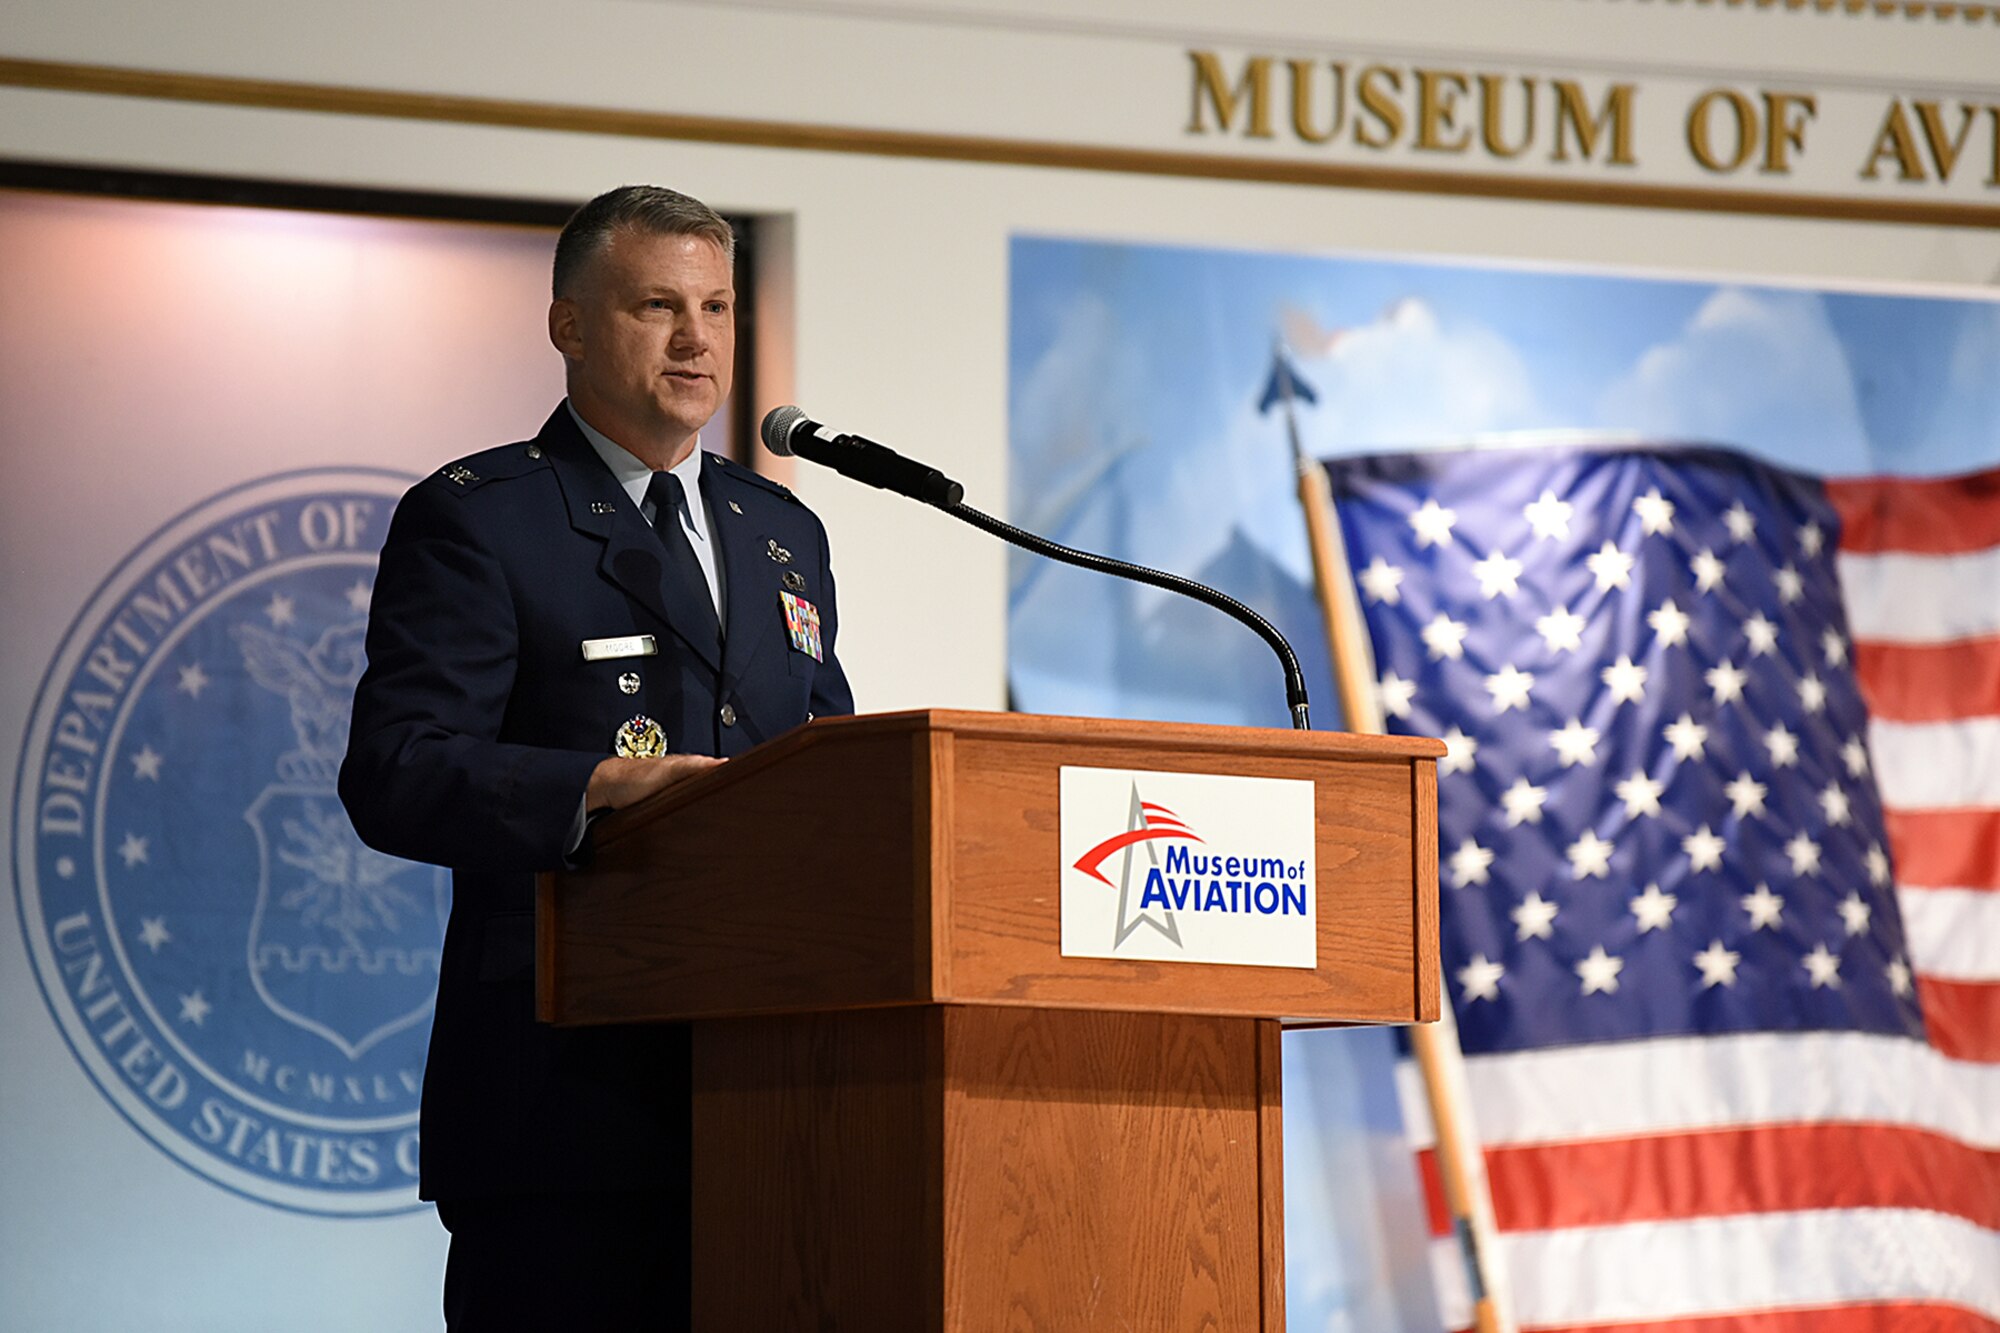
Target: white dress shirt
(635, 477)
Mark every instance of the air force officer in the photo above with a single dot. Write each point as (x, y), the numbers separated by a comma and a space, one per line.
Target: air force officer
(560, 627)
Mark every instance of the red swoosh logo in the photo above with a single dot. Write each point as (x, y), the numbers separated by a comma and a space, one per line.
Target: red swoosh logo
(1096, 856)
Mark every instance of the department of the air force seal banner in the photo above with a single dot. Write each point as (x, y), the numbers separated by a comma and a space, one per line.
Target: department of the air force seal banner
(1188, 868)
(244, 981)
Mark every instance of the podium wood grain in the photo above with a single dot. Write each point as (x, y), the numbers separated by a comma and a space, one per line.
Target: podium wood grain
(912, 1112)
(913, 859)
(1050, 1170)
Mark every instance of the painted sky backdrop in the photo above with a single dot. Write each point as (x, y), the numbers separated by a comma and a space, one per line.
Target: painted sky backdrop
(1134, 373)
(1418, 353)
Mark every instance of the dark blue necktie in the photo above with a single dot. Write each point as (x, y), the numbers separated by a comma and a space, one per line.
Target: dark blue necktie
(669, 502)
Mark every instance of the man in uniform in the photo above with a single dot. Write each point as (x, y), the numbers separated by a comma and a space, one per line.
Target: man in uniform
(561, 627)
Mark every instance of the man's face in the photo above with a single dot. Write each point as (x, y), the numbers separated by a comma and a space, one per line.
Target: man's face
(649, 334)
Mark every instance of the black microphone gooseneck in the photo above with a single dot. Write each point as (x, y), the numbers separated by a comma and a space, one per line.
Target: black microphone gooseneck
(1295, 680)
(787, 431)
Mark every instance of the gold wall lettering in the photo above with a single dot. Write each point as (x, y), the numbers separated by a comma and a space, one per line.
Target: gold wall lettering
(1385, 107)
(1382, 107)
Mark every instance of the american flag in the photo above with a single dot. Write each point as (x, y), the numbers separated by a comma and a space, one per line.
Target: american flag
(1695, 1049)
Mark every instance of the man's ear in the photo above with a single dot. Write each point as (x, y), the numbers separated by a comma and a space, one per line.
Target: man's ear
(566, 328)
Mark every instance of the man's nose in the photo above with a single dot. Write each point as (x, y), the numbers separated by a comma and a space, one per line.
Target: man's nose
(690, 336)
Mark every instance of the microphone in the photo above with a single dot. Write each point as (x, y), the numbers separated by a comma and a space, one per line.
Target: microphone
(788, 431)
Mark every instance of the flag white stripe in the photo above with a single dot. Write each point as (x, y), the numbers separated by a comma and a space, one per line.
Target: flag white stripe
(1901, 598)
(1953, 932)
(1713, 1265)
(1454, 1292)
(1669, 1084)
(1418, 1127)
(1937, 765)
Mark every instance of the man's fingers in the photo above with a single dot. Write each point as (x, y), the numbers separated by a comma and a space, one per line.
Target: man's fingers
(657, 775)
(620, 782)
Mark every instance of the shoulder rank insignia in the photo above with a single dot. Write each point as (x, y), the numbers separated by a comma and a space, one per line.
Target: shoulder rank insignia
(460, 474)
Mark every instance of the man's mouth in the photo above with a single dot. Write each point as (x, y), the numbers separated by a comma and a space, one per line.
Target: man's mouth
(685, 375)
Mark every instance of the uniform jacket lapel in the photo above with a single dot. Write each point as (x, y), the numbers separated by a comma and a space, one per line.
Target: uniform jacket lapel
(747, 570)
(633, 557)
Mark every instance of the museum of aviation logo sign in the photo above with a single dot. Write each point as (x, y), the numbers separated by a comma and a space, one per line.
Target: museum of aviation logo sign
(1188, 868)
(243, 980)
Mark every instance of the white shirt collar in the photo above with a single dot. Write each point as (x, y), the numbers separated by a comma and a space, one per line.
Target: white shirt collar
(635, 476)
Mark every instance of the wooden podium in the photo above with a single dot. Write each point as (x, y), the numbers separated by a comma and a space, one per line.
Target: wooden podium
(912, 1112)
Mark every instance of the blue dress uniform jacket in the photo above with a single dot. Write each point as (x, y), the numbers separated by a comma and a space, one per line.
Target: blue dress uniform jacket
(474, 734)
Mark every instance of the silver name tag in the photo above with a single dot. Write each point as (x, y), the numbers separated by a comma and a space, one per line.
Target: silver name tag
(632, 645)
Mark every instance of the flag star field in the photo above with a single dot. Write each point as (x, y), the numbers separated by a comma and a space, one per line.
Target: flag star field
(1651, 820)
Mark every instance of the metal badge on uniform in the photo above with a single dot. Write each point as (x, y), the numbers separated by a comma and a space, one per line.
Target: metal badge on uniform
(802, 623)
(777, 552)
(795, 580)
(632, 645)
(640, 738)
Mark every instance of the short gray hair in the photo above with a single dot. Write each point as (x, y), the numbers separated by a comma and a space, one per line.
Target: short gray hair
(652, 209)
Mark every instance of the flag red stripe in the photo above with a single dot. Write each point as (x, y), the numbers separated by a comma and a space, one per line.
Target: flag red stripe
(1962, 1018)
(1940, 682)
(1944, 516)
(1750, 1169)
(1431, 1177)
(1880, 1317)
(1946, 849)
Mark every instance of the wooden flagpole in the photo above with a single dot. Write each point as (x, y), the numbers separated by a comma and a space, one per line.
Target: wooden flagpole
(1461, 1164)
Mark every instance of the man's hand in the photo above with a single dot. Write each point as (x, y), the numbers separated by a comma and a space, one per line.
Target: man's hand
(617, 783)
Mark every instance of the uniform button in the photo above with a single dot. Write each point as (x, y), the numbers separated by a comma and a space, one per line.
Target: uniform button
(629, 682)
(729, 715)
